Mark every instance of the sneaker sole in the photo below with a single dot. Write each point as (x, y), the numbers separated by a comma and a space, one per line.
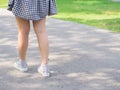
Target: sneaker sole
(42, 74)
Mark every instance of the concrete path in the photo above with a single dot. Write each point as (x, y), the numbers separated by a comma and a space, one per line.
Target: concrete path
(81, 57)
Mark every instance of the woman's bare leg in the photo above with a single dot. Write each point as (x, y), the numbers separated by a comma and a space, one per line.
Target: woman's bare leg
(40, 30)
(23, 34)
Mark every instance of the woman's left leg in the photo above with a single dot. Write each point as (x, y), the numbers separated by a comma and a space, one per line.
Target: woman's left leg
(23, 35)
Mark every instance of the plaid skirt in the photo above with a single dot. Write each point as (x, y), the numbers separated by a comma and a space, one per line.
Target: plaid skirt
(32, 9)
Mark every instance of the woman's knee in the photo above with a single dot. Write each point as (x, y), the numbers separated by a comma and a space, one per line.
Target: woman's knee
(23, 25)
(23, 34)
(39, 26)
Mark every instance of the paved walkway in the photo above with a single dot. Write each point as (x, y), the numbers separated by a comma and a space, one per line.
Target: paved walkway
(81, 57)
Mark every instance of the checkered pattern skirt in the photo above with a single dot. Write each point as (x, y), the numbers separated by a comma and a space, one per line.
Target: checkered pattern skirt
(33, 9)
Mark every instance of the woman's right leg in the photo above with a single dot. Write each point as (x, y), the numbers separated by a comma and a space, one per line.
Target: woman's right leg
(23, 35)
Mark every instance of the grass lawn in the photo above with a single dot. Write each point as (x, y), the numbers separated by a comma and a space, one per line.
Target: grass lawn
(3, 3)
(99, 13)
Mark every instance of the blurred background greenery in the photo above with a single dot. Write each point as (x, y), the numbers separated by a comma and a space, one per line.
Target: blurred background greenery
(3, 3)
(99, 13)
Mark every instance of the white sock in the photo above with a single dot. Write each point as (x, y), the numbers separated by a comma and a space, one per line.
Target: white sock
(43, 64)
(23, 63)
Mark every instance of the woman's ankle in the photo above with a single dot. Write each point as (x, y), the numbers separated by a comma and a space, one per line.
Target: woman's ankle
(44, 61)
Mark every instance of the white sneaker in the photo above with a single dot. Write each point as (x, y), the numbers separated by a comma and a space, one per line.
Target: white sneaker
(22, 67)
(44, 70)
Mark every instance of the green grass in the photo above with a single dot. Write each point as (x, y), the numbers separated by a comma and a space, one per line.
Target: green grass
(99, 13)
(3, 3)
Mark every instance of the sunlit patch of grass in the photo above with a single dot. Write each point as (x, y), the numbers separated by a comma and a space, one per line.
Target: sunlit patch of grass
(3, 3)
(98, 13)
